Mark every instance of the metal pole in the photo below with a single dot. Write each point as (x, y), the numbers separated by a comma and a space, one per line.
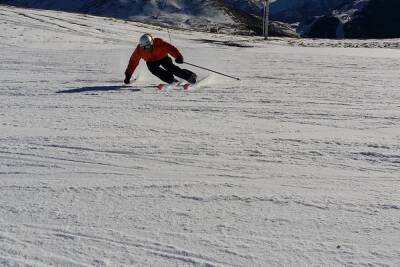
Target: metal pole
(263, 21)
(266, 19)
(220, 73)
(169, 35)
(163, 7)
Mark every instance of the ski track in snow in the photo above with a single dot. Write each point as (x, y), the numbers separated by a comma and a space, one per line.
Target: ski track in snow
(297, 164)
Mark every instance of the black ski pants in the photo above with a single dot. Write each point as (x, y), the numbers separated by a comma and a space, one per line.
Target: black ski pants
(168, 70)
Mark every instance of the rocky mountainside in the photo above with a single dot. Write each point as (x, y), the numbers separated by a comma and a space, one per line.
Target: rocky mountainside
(234, 16)
(292, 11)
(254, 7)
(164, 10)
(358, 19)
(311, 18)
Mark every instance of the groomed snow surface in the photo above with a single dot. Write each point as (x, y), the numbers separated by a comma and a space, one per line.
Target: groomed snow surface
(297, 164)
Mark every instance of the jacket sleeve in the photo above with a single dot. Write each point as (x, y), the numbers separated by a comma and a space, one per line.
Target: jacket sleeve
(172, 50)
(133, 62)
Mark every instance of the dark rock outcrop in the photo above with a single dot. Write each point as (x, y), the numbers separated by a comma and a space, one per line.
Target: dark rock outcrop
(379, 19)
(359, 19)
(281, 29)
(325, 27)
(292, 11)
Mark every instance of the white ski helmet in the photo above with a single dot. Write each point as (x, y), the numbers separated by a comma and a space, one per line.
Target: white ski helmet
(146, 41)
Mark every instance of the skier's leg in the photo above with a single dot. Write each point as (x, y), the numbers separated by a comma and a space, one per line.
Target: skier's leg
(154, 68)
(181, 73)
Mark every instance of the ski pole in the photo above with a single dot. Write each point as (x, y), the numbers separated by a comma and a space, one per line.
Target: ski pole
(220, 73)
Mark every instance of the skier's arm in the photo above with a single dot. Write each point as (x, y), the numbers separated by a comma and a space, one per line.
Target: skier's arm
(133, 62)
(173, 51)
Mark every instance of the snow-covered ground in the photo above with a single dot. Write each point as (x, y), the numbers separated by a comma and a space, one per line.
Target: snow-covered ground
(298, 164)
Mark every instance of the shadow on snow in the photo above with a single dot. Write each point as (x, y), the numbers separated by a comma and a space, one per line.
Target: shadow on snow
(96, 89)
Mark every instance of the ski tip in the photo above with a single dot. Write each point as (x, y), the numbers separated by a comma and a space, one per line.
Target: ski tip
(161, 87)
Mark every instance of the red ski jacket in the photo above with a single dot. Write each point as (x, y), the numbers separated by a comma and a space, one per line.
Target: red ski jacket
(160, 50)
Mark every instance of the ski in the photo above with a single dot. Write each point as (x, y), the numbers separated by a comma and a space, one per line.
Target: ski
(193, 86)
(189, 86)
(162, 87)
(186, 86)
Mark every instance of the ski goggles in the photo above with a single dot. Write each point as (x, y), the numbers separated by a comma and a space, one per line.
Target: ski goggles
(147, 47)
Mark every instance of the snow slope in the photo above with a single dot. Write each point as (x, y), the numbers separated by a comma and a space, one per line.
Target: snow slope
(297, 164)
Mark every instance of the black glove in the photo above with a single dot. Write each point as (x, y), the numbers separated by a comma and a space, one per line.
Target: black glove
(127, 79)
(179, 60)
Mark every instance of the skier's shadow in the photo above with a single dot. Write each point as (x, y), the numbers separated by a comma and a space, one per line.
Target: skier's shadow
(97, 89)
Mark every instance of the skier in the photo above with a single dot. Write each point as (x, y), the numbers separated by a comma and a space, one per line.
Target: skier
(155, 52)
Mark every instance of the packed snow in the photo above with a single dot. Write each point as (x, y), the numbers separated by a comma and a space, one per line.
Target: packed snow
(297, 164)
